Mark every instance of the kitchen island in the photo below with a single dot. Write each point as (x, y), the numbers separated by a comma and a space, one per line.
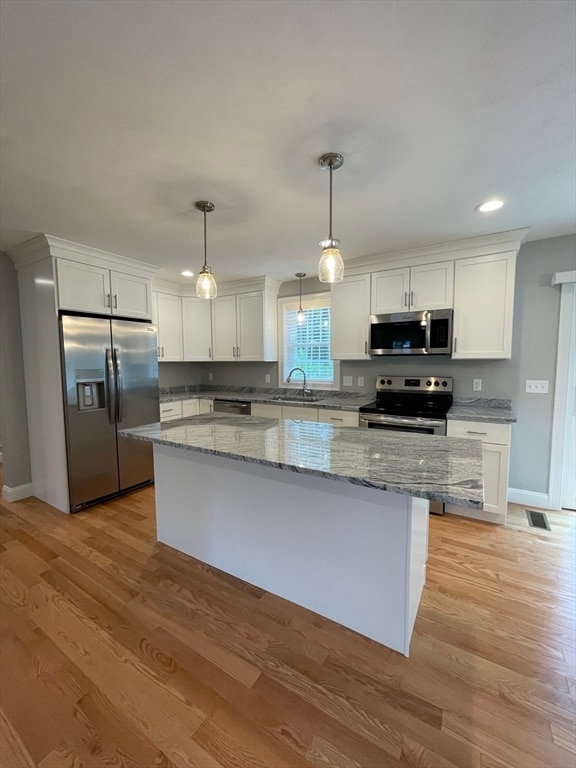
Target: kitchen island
(332, 518)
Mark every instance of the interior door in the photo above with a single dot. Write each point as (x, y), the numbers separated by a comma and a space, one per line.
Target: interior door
(90, 428)
(134, 346)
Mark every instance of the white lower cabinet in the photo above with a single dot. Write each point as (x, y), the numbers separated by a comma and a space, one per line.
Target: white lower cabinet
(205, 406)
(496, 460)
(170, 411)
(190, 407)
(266, 410)
(301, 412)
(338, 418)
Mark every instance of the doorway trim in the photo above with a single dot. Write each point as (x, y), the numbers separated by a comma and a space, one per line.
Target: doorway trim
(566, 281)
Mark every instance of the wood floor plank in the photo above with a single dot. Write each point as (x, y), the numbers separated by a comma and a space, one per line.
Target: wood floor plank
(120, 652)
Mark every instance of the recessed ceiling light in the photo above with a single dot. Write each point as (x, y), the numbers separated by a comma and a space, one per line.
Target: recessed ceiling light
(489, 205)
(187, 273)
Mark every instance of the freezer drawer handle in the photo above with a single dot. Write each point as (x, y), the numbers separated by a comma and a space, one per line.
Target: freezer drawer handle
(111, 393)
(119, 387)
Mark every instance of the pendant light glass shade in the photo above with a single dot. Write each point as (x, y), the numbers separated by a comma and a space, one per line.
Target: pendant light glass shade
(206, 287)
(331, 265)
(300, 315)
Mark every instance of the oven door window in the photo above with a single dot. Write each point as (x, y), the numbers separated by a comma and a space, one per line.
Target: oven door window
(398, 338)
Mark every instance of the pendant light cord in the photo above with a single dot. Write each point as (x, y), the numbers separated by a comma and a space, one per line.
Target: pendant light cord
(205, 239)
(330, 234)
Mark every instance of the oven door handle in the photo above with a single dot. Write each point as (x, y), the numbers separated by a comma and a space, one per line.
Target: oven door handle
(415, 421)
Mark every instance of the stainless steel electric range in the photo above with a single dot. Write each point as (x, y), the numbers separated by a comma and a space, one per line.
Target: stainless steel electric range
(416, 404)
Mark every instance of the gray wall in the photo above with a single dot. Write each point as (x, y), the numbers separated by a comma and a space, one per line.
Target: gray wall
(13, 421)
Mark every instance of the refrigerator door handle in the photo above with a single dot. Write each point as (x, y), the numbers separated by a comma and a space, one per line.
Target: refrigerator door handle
(111, 387)
(119, 387)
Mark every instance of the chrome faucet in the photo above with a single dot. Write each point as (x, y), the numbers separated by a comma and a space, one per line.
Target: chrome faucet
(305, 391)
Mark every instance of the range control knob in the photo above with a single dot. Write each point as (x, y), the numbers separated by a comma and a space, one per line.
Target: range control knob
(382, 382)
(436, 383)
(428, 383)
(444, 383)
(389, 382)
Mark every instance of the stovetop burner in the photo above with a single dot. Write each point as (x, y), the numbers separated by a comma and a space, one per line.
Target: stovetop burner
(427, 396)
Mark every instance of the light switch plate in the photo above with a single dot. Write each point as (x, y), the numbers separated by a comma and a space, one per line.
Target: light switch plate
(267, 378)
(360, 381)
(537, 386)
(477, 385)
(347, 381)
(210, 376)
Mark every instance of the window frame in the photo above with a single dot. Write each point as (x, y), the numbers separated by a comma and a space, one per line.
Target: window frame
(309, 301)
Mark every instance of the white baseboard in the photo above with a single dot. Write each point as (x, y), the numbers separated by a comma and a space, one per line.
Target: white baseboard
(17, 493)
(530, 498)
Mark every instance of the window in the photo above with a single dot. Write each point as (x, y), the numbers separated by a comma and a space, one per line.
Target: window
(307, 345)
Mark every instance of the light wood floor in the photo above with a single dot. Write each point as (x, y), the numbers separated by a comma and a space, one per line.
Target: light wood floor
(117, 651)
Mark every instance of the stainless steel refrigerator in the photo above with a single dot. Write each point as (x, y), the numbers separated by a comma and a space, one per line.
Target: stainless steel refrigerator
(110, 378)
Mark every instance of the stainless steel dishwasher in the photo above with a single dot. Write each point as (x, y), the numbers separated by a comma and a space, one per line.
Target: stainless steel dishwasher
(232, 406)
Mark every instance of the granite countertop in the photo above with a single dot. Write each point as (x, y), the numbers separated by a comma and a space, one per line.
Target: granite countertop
(464, 409)
(426, 466)
(341, 401)
(496, 411)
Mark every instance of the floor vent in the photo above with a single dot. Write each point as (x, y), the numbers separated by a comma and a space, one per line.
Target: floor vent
(538, 519)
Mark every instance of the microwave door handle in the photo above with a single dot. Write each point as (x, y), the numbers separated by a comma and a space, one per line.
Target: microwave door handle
(428, 330)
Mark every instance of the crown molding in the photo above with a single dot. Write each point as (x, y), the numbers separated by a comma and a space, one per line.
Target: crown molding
(473, 246)
(45, 246)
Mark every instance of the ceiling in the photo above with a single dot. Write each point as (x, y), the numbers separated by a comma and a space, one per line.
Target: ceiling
(117, 115)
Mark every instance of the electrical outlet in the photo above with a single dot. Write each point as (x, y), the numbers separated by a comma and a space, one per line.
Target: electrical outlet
(477, 385)
(210, 376)
(537, 386)
(267, 378)
(347, 381)
(360, 381)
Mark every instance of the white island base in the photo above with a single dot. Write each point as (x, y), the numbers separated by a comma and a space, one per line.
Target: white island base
(353, 554)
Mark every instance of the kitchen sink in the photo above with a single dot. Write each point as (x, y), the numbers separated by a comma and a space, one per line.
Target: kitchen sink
(295, 399)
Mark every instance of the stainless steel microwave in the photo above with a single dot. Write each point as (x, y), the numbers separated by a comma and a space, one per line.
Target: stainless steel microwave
(412, 333)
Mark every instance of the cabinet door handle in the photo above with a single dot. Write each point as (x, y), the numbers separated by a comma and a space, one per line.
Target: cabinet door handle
(405, 298)
(365, 347)
(411, 298)
(471, 432)
(162, 351)
(157, 351)
(238, 352)
(455, 343)
(108, 300)
(233, 351)
(115, 301)
(336, 418)
(210, 352)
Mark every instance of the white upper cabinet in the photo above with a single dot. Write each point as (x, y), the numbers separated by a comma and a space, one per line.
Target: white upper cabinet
(244, 324)
(224, 327)
(90, 288)
(197, 329)
(350, 310)
(428, 286)
(170, 343)
(483, 306)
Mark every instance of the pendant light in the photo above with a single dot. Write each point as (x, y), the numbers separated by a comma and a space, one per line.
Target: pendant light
(205, 285)
(300, 316)
(331, 266)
